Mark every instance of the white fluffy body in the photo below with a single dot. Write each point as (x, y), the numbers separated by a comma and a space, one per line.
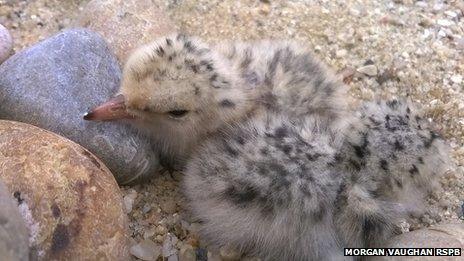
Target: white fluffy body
(276, 165)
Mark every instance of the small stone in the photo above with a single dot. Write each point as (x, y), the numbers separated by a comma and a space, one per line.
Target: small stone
(6, 44)
(421, 4)
(438, 6)
(456, 78)
(370, 70)
(355, 12)
(161, 230)
(391, 20)
(405, 55)
(62, 188)
(53, 83)
(341, 53)
(187, 253)
(426, 22)
(443, 235)
(128, 202)
(146, 250)
(159, 239)
(169, 244)
(444, 22)
(451, 14)
(125, 24)
(441, 33)
(149, 233)
(228, 253)
(146, 208)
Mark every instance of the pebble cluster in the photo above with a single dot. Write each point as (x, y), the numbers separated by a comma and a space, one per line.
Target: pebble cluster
(380, 48)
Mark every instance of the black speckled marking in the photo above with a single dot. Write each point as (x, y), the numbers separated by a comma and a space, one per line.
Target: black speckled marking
(226, 103)
(181, 37)
(194, 68)
(240, 139)
(246, 59)
(421, 160)
(196, 89)
(383, 164)
(269, 76)
(160, 51)
(361, 150)
(392, 104)
(189, 47)
(264, 151)
(213, 77)
(370, 228)
(251, 77)
(355, 165)
(278, 169)
(262, 170)
(305, 190)
(231, 151)
(281, 132)
(313, 156)
(168, 42)
(398, 146)
(207, 64)
(428, 142)
(241, 196)
(286, 148)
(413, 171)
(319, 213)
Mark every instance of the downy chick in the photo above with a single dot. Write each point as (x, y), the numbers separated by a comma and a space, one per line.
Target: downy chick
(179, 90)
(277, 166)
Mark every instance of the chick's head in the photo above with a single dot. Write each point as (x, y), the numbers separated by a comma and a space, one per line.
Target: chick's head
(177, 90)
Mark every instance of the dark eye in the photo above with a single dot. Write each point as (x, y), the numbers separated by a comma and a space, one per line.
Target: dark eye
(178, 113)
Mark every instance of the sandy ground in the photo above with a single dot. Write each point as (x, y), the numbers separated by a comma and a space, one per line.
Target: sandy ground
(414, 48)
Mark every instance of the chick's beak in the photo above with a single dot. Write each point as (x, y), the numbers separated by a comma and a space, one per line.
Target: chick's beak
(114, 109)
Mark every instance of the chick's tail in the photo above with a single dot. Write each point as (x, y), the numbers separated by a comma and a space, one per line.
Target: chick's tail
(393, 158)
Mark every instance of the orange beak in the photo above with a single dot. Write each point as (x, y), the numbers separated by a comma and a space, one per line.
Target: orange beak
(114, 109)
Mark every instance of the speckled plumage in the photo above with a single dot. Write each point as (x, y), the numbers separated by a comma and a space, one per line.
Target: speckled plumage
(276, 164)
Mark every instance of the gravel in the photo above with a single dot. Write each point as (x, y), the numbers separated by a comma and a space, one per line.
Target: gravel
(416, 47)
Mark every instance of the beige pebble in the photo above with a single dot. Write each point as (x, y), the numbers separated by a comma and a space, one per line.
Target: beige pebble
(67, 195)
(6, 44)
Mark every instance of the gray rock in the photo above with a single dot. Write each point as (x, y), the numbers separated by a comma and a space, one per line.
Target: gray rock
(443, 235)
(14, 242)
(52, 85)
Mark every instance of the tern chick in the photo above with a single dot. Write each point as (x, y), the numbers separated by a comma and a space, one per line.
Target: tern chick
(276, 165)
